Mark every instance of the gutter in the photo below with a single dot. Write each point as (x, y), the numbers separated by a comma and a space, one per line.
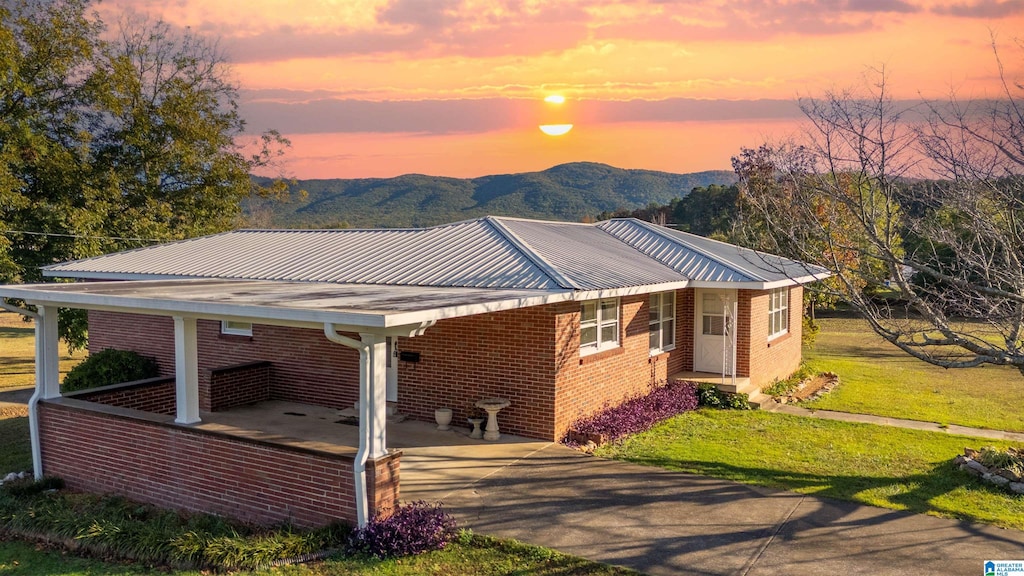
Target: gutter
(33, 402)
(359, 464)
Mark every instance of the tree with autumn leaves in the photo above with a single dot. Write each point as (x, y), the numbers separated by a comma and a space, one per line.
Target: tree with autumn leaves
(924, 204)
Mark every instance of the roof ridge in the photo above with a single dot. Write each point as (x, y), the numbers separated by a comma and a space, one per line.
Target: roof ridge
(689, 246)
(530, 254)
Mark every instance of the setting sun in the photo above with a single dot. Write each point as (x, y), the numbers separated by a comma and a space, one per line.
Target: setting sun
(555, 99)
(555, 129)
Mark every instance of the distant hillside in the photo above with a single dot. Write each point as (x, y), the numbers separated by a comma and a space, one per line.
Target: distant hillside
(566, 192)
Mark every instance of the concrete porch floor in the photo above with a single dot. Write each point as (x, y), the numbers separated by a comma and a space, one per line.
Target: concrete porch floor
(434, 463)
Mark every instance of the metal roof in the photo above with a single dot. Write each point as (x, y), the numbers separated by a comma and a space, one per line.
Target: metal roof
(489, 252)
(705, 260)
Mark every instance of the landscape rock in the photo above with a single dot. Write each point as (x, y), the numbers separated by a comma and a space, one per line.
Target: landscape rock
(995, 479)
(976, 467)
(1017, 487)
(970, 453)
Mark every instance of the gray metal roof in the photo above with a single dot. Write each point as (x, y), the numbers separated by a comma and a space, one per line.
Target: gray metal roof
(490, 252)
(703, 259)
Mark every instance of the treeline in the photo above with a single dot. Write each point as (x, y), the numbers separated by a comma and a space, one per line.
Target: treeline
(709, 211)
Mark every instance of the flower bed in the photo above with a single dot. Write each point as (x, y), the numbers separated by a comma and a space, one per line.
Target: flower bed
(1004, 468)
(636, 414)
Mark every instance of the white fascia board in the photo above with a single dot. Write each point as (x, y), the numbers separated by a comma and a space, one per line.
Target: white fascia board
(407, 318)
(38, 294)
(760, 285)
(630, 290)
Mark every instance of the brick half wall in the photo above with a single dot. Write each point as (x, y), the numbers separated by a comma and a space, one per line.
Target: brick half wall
(147, 458)
(156, 395)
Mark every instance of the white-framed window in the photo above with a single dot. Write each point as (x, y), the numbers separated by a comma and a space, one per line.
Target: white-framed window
(663, 322)
(778, 312)
(599, 325)
(236, 328)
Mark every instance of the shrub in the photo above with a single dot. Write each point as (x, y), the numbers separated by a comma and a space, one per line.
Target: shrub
(638, 413)
(710, 396)
(108, 367)
(412, 529)
(784, 387)
(1009, 459)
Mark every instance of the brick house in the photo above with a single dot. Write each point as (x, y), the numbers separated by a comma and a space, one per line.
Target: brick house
(558, 318)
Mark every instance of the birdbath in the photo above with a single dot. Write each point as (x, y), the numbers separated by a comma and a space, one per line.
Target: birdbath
(492, 406)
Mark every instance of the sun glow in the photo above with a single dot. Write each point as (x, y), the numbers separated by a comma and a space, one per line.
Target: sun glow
(555, 99)
(555, 129)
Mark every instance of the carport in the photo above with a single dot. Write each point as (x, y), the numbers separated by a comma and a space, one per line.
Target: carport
(357, 316)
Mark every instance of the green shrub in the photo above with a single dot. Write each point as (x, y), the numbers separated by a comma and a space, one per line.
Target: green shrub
(710, 396)
(1009, 459)
(784, 387)
(808, 331)
(108, 367)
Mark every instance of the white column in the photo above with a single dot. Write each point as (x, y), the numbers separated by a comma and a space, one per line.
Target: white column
(47, 353)
(186, 370)
(374, 405)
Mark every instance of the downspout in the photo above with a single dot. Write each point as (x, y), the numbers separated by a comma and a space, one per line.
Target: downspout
(359, 465)
(33, 417)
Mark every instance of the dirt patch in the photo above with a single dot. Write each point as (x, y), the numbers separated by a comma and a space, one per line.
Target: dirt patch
(12, 411)
(12, 320)
(812, 388)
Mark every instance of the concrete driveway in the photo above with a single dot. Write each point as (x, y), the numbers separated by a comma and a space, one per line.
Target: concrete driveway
(663, 522)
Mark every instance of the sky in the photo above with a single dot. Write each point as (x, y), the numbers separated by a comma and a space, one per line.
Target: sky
(379, 88)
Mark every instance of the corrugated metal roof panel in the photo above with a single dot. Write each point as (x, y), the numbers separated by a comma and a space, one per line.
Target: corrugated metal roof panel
(704, 259)
(589, 257)
(469, 254)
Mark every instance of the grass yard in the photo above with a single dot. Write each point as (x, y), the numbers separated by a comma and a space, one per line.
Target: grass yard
(877, 465)
(17, 352)
(877, 378)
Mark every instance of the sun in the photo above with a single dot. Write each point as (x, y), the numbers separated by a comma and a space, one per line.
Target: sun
(555, 129)
(555, 99)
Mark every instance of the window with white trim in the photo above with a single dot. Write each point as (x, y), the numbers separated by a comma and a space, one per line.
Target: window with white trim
(778, 312)
(233, 328)
(599, 325)
(663, 322)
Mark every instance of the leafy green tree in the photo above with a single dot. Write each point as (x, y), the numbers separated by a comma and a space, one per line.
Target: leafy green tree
(112, 144)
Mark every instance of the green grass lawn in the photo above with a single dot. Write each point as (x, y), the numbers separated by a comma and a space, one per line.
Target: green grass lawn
(877, 465)
(17, 352)
(877, 378)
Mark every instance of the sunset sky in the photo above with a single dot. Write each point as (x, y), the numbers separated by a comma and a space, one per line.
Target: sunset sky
(456, 87)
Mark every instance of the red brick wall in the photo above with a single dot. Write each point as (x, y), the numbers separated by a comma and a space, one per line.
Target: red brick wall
(187, 469)
(762, 360)
(154, 395)
(586, 383)
(306, 367)
(509, 354)
(238, 385)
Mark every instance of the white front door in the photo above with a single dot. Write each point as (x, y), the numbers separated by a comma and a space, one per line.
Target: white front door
(391, 374)
(711, 330)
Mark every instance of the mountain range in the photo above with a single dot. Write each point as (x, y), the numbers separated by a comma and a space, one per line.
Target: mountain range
(568, 192)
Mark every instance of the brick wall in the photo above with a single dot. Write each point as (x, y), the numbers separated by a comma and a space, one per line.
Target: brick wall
(762, 360)
(509, 354)
(238, 385)
(154, 395)
(306, 367)
(585, 383)
(125, 452)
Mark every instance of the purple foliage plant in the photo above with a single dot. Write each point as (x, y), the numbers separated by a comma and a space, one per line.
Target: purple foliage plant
(414, 528)
(638, 413)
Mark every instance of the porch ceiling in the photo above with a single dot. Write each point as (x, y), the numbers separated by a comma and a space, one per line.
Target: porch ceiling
(275, 302)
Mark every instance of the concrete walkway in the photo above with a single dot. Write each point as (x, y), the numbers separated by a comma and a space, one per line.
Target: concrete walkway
(897, 422)
(663, 522)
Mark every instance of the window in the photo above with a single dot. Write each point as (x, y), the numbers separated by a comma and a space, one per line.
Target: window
(663, 322)
(236, 328)
(778, 312)
(599, 325)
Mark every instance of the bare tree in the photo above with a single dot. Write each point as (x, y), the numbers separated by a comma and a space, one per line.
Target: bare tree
(927, 200)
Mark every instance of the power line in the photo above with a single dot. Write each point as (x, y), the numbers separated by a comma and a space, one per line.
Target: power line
(80, 236)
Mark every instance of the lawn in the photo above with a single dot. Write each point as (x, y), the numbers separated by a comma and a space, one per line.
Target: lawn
(877, 465)
(17, 352)
(877, 378)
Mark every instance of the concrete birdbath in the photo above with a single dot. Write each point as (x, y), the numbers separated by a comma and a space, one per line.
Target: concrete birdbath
(492, 406)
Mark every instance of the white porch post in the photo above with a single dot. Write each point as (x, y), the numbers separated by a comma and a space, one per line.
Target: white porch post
(47, 377)
(186, 370)
(374, 405)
